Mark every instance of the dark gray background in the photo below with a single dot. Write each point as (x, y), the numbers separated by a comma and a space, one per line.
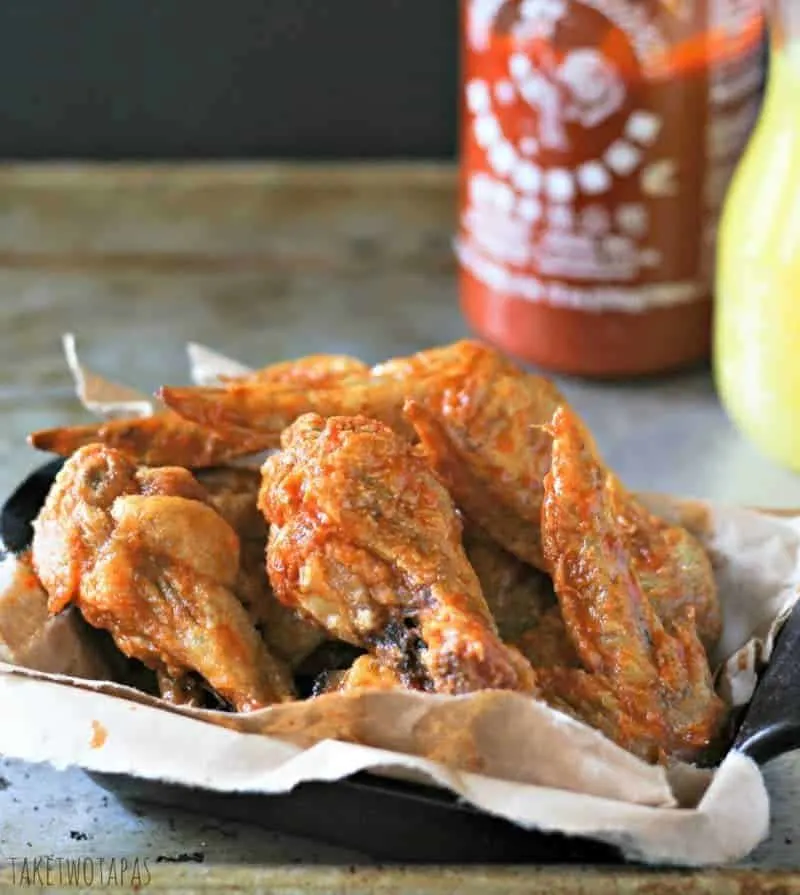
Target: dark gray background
(313, 79)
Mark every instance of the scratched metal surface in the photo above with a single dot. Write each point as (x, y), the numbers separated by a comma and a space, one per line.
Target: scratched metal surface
(265, 263)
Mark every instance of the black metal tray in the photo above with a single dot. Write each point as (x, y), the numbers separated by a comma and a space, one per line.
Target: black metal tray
(402, 822)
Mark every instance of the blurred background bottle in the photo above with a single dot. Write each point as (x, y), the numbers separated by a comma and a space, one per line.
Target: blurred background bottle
(598, 139)
(757, 316)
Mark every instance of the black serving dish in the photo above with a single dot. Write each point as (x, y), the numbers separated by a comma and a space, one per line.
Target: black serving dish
(402, 822)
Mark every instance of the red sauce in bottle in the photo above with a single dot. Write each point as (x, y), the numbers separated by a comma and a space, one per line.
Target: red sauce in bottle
(598, 138)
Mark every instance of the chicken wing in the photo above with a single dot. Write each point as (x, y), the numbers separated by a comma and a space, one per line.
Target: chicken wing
(247, 408)
(495, 470)
(164, 439)
(168, 439)
(233, 492)
(653, 691)
(252, 410)
(365, 540)
(144, 556)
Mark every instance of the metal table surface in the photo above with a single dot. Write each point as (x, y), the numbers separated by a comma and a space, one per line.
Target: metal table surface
(264, 263)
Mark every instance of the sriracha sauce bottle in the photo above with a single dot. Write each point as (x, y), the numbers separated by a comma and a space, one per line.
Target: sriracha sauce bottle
(597, 141)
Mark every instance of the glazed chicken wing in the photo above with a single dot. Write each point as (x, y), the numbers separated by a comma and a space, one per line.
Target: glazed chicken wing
(142, 554)
(365, 540)
(648, 686)
(168, 439)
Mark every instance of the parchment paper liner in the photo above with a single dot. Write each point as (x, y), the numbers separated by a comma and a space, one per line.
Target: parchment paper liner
(503, 752)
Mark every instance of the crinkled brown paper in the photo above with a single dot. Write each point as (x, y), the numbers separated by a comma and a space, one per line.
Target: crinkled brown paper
(503, 752)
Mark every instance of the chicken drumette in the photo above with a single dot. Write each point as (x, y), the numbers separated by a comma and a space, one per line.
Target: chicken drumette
(143, 555)
(366, 541)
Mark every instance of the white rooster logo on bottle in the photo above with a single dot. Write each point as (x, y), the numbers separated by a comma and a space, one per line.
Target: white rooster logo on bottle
(583, 87)
(580, 86)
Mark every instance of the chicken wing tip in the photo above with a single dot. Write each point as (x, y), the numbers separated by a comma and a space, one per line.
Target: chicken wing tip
(62, 441)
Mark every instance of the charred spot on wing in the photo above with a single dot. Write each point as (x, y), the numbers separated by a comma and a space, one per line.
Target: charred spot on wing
(401, 647)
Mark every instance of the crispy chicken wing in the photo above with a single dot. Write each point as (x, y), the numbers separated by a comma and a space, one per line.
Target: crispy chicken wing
(251, 410)
(233, 492)
(484, 437)
(649, 687)
(366, 541)
(164, 439)
(168, 439)
(248, 408)
(500, 485)
(142, 555)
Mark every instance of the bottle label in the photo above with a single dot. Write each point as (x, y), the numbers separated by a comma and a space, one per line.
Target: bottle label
(595, 152)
